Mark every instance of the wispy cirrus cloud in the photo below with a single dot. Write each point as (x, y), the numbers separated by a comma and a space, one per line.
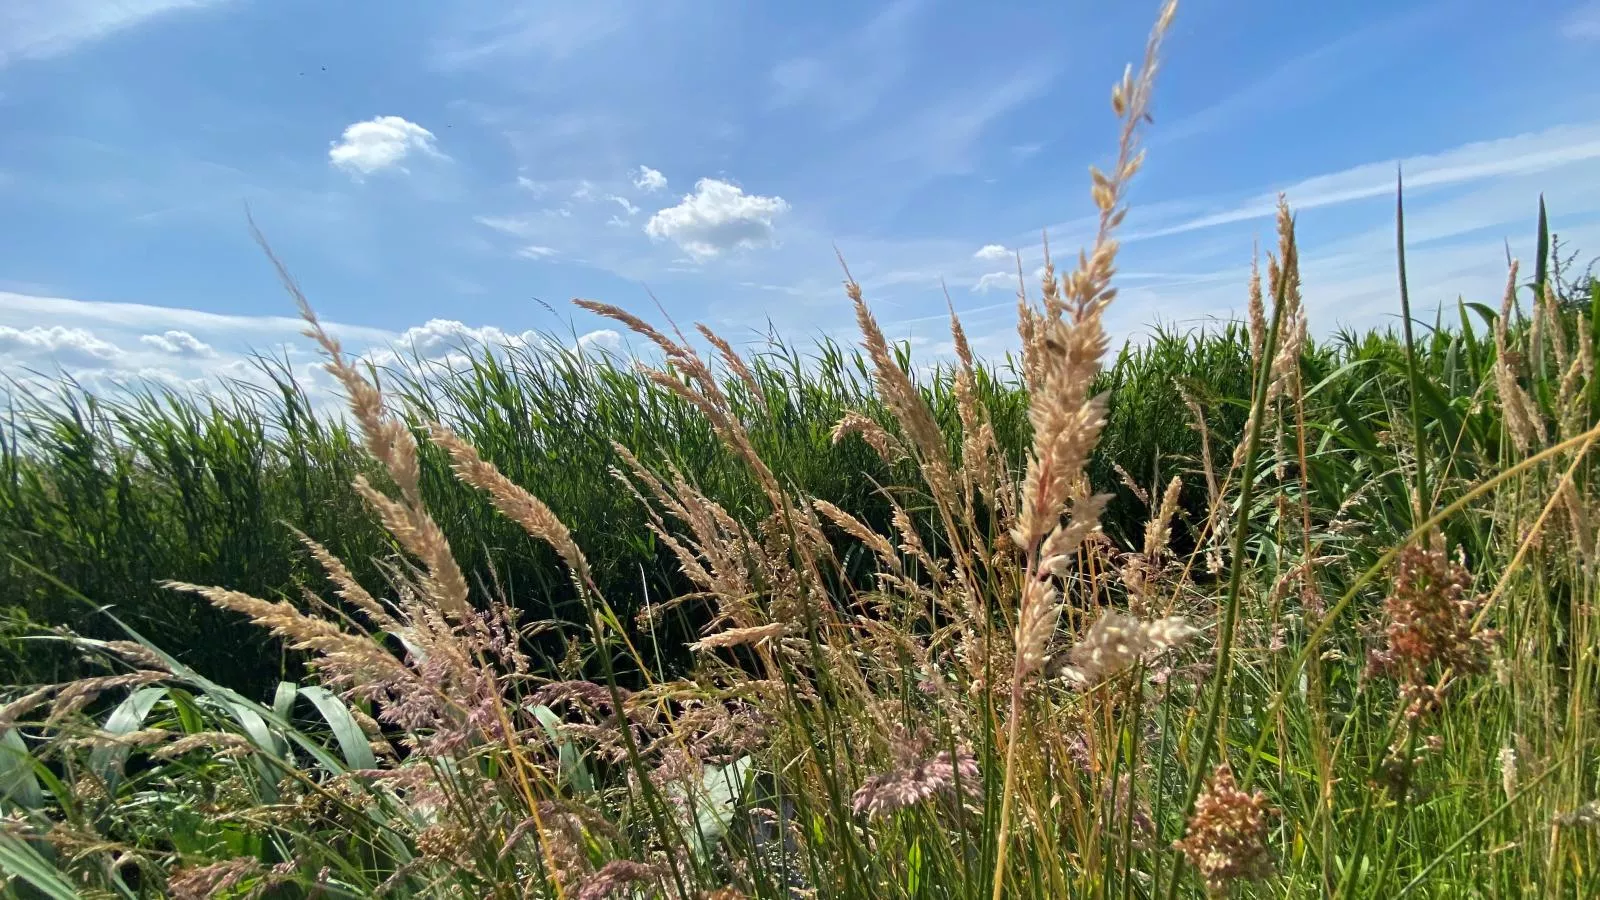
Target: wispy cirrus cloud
(1303, 78)
(1524, 154)
(1584, 22)
(39, 29)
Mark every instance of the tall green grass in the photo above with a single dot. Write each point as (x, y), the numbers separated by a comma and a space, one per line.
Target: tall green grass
(110, 494)
(1336, 637)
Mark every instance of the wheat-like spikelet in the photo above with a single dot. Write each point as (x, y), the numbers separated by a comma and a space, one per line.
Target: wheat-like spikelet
(1256, 309)
(738, 637)
(735, 364)
(345, 584)
(1523, 422)
(511, 499)
(905, 401)
(888, 448)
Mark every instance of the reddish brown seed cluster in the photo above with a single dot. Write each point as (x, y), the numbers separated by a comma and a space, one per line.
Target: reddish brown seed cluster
(1430, 614)
(1227, 835)
(892, 791)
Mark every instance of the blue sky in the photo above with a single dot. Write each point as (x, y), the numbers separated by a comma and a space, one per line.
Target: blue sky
(429, 170)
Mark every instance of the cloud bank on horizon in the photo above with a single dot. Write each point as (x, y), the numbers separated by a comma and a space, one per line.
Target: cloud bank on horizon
(460, 172)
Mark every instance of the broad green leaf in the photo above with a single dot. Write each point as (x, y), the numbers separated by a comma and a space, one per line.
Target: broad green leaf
(106, 759)
(352, 740)
(712, 803)
(25, 863)
(283, 699)
(18, 784)
(573, 770)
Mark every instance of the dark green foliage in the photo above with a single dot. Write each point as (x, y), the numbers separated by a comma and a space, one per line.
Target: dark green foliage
(111, 495)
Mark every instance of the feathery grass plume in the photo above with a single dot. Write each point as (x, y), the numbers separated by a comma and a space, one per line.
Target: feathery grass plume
(888, 448)
(136, 654)
(1522, 420)
(221, 744)
(904, 400)
(1064, 346)
(512, 500)
(857, 529)
(345, 659)
(391, 443)
(67, 699)
(615, 879)
(736, 365)
(345, 584)
(1130, 484)
(214, 880)
(1256, 309)
(1140, 569)
(1116, 642)
(1292, 340)
(981, 466)
(1508, 772)
(1226, 838)
(702, 391)
(738, 637)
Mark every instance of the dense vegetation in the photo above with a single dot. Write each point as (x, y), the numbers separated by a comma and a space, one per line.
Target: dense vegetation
(808, 625)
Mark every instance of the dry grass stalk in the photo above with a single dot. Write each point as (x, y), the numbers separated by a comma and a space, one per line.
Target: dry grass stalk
(512, 500)
(1523, 422)
(701, 391)
(1065, 346)
(910, 410)
(736, 364)
(888, 448)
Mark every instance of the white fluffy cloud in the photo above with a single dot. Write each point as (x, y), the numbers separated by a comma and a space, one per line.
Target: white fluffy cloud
(179, 343)
(601, 339)
(995, 280)
(992, 252)
(716, 218)
(57, 343)
(648, 179)
(437, 337)
(380, 143)
(625, 203)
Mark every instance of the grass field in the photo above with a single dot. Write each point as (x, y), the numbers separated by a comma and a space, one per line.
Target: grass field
(1227, 613)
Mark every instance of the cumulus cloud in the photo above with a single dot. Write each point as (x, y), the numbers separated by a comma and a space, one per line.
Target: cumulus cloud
(648, 179)
(716, 218)
(63, 345)
(992, 252)
(995, 280)
(436, 337)
(380, 143)
(179, 343)
(625, 204)
(600, 339)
